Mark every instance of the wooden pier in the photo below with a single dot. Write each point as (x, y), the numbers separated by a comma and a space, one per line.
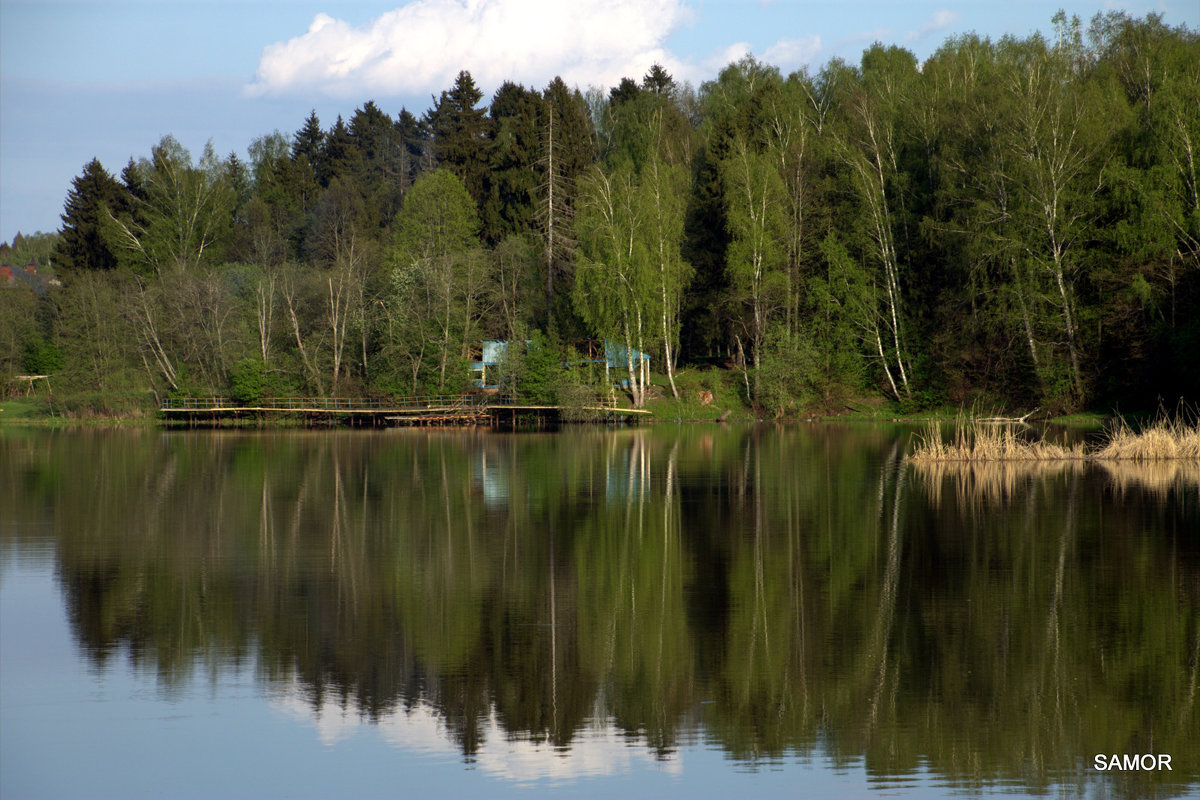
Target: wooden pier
(434, 410)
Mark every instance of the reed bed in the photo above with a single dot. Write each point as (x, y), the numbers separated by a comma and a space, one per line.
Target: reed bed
(974, 441)
(1165, 439)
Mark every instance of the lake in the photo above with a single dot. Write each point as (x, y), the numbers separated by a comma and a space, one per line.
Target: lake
(703, 611)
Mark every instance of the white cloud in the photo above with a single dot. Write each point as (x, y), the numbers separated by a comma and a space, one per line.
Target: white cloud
(874, 35)
(788, 54)
(721, 58)
(598, 749)
(421, 46)
(940, 21)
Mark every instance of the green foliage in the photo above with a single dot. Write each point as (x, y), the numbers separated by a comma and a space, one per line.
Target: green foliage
(754, 208)
(439, 278)
(308, 143)
(580, 389)
(786, 372)
(438, 219)
(40, 357)
(531, 371)
(35, 248)
(86, 241)
(516, 117)
(339, 158)
(249, 381)
(1017, 220)
(519, 295)
(18, 325)
(458, 131)
(613, 258)
(181, 216)
(541, 371)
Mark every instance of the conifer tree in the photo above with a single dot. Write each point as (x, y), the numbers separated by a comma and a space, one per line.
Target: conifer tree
(339, 157)
(459, 132)
(309, 141)
(379, 178)
(83, 244)
(658, 81)
(567, 151)
(415, 155)
(307, 155)
(626, 91)
(514, 151)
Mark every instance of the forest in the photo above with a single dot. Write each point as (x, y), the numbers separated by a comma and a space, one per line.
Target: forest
(1013, 223)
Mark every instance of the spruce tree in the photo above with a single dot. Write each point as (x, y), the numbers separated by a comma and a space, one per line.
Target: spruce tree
(460, 134)
(514, 155)
(309, 141)
(339, 157)
(374, 137)
(380, 163)
(624, 92)
(658, 81)
(415, 156)
(93, 195)
(568, 150)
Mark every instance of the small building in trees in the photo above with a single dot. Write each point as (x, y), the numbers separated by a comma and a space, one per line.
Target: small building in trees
(486, 364)
(617, 357)
(488, 360)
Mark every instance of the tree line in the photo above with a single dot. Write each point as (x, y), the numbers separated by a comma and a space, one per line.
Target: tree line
(1012, 221)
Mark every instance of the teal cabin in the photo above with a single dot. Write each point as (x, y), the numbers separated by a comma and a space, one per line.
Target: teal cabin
(485, 371)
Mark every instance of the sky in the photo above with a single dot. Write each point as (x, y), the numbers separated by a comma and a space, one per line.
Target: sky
(107, 79)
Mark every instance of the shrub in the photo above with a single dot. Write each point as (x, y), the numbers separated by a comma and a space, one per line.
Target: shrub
(40, 357)
(248, 380)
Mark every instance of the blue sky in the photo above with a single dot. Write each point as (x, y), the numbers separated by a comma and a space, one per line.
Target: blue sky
(109, 78)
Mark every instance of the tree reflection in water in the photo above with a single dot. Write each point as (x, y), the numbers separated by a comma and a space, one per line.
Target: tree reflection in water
(773, 591)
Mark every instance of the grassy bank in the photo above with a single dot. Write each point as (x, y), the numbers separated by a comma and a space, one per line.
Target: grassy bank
(705, 395)
(23, 410)
(79, 409)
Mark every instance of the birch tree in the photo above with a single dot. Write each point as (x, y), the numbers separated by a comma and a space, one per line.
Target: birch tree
(963, 81)
(870, 150)
(1159, 69)
(613, 292)
(755, 258)
(1053, 170)
(182, 217)
(343, 245)
(663, 197)
(792, 130)
(438, 269)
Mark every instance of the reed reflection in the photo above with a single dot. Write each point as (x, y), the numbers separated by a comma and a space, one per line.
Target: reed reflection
(776, 592)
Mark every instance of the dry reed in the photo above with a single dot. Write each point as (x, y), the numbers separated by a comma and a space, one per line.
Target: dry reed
(1164, 440)
(975, 441)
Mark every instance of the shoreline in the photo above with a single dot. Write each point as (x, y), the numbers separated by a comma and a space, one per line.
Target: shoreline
(28, 415)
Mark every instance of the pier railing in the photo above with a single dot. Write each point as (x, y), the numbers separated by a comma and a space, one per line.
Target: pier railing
(326, 403)
(443, 409)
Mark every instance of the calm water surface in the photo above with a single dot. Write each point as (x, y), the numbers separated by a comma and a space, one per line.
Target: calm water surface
(694, 612)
